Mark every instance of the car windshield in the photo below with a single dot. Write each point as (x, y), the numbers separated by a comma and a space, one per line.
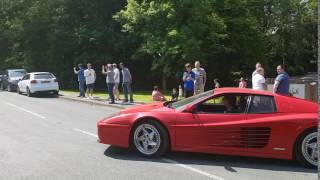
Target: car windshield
(19, 73)
(184, 102)
(43, 76)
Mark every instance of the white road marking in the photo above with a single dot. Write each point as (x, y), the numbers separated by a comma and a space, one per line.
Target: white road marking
(211, 176)
(168, 160)
(85, 132)
(25, 110)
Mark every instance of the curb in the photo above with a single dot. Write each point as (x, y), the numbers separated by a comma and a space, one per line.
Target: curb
(97, 102)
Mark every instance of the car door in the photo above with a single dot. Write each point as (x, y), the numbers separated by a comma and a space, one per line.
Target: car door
(222, 130)
(24, 82)
(266, 127)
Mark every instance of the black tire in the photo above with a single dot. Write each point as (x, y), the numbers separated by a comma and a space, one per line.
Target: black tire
(18, 90)
(164, 139)
(56, 93)
(29, 94)
(300, 150)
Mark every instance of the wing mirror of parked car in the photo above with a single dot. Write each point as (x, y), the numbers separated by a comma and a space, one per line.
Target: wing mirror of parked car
(189, 109)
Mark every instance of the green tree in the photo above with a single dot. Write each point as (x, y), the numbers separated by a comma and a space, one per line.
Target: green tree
(173, 32)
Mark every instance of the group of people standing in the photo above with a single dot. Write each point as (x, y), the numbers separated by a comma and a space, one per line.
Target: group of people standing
(194, 80)
(87, 77)
(281, 83)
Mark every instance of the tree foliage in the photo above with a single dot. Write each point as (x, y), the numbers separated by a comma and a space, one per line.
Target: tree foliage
(157, 37)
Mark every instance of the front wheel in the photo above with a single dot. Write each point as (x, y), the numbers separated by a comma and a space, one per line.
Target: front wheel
(306, 149)
(18, 90)
(149, 139)
(56, 93)
(29, 94)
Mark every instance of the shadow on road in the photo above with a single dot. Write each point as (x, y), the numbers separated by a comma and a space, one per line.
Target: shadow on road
(37, 95)
(49, 96)
(228, 162)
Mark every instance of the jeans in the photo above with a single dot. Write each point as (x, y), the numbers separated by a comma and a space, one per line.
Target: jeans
(188, 93)
(127, 90)
(81, 88)
(110, 91)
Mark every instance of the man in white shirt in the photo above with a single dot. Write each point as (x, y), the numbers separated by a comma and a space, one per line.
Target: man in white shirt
(90, 76)
(258, 65)
(201, 78)
(258, 80)
(116, 81)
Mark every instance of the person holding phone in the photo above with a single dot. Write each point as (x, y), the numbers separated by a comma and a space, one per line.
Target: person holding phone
(81, 79)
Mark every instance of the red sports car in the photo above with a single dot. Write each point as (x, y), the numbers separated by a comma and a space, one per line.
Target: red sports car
(229, 121)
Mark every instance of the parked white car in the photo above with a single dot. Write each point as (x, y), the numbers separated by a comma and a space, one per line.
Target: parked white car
(37, 82)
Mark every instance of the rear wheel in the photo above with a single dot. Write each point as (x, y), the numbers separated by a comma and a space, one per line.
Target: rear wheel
(29, 94)
(306, 148)
(149, 138)
(18, 90)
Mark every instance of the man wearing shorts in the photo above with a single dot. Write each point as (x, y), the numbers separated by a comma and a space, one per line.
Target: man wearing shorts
(90, 76)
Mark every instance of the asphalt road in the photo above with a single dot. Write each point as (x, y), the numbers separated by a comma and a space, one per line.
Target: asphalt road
(51, 138)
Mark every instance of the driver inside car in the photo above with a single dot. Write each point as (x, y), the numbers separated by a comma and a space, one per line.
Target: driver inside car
(229, 102)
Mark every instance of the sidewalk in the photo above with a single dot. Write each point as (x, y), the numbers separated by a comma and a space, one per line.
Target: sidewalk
(96, 100)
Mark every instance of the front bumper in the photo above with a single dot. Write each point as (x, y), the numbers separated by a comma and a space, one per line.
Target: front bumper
(113, 134)
(13, 86)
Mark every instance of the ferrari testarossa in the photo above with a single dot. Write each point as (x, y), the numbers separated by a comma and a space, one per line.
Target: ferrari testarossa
(228, 121)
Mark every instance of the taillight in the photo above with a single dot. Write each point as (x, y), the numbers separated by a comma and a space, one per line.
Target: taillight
(33, 81)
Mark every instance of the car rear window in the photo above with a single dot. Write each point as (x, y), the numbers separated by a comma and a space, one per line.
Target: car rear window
(43, 76)
(262, 104)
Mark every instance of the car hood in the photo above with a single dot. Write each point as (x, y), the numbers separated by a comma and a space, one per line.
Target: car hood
(144, 108)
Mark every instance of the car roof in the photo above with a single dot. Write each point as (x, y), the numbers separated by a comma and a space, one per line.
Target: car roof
(16, 70)
(40, 73)
(242, 91)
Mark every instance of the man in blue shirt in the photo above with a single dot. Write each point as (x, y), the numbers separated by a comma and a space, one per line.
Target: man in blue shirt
(281, 83)
(188, 81)
(81, 79)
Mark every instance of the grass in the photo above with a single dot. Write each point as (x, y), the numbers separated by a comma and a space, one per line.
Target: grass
(140, 96)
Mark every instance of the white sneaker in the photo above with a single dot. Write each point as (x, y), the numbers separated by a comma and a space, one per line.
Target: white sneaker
(91, 97)
(87, 97)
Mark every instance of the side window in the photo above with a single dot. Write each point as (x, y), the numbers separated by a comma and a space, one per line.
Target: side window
(26, 77)
(227, 103)
(262, 104)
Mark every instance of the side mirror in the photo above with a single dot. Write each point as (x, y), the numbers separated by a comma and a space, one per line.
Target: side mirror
(189, 109)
